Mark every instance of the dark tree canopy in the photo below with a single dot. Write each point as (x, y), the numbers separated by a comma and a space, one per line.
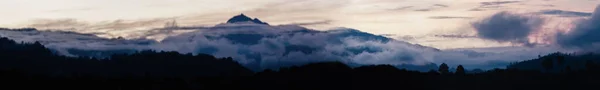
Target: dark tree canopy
(444, 69)
(590, 65)
(31, 66)
(560, 60)
(548, 64)
(35, 58)
(460, 70)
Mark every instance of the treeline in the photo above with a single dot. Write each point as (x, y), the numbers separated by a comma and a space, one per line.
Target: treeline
(34, 58)
(559, 62)
(26, 66)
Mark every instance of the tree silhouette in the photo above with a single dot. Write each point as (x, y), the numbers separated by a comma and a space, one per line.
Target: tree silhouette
(568, 69)
(589, 65)
(34, 66)
(560, 60)
(547, 64)
(460, 70)
(444, 69)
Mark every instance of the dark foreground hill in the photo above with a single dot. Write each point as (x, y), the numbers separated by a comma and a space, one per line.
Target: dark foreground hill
(36, 59)
(558, 62)
(32, 66)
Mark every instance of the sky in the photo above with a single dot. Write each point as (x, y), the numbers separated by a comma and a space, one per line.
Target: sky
(443, 24)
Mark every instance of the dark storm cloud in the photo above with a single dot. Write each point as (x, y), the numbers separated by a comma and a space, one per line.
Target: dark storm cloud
(564, 13)
(585, 34)
(507, 27)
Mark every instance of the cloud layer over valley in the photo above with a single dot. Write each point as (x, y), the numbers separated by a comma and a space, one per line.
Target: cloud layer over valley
(260, 46)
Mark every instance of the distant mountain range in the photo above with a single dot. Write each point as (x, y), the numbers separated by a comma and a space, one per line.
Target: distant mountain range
(255, 44)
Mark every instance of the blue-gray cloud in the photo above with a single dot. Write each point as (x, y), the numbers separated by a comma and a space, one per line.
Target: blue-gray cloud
(564, 13)
(507, 27)
(585, 34)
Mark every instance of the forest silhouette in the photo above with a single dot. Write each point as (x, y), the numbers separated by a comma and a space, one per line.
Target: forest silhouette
(33, 66)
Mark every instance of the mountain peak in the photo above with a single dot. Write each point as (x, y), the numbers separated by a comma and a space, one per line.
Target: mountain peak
(244, 18)
(256, 20)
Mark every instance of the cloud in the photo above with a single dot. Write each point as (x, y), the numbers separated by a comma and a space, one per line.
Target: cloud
(298, 6)
(455, 36)
(433, 7)
(497, 3)
(564, 13)
(64, 24)
(261, 46)
(449, 17)
(584, 35)
(476, 9)
(255, 46)
(74, 24)
(492, 5)
(508, 27)
(73, 10)
(403, 8)
(427, 9)
(313, 23)
(548, 5)
(440, 5)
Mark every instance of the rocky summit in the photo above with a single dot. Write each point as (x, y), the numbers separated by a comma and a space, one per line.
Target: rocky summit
(245, 19)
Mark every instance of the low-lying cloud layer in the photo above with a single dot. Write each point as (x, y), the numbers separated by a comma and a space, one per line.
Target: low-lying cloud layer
(261, 46)
(564, 13)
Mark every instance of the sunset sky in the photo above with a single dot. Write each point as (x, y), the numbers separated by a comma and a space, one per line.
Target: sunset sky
(435, 23)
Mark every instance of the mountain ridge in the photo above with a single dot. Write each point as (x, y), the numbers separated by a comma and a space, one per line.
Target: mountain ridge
(254, 45)
(245, 19)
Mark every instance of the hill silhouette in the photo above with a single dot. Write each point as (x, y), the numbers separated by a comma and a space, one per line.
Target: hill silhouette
(36, 59)
(557, 62)
(31, 66)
